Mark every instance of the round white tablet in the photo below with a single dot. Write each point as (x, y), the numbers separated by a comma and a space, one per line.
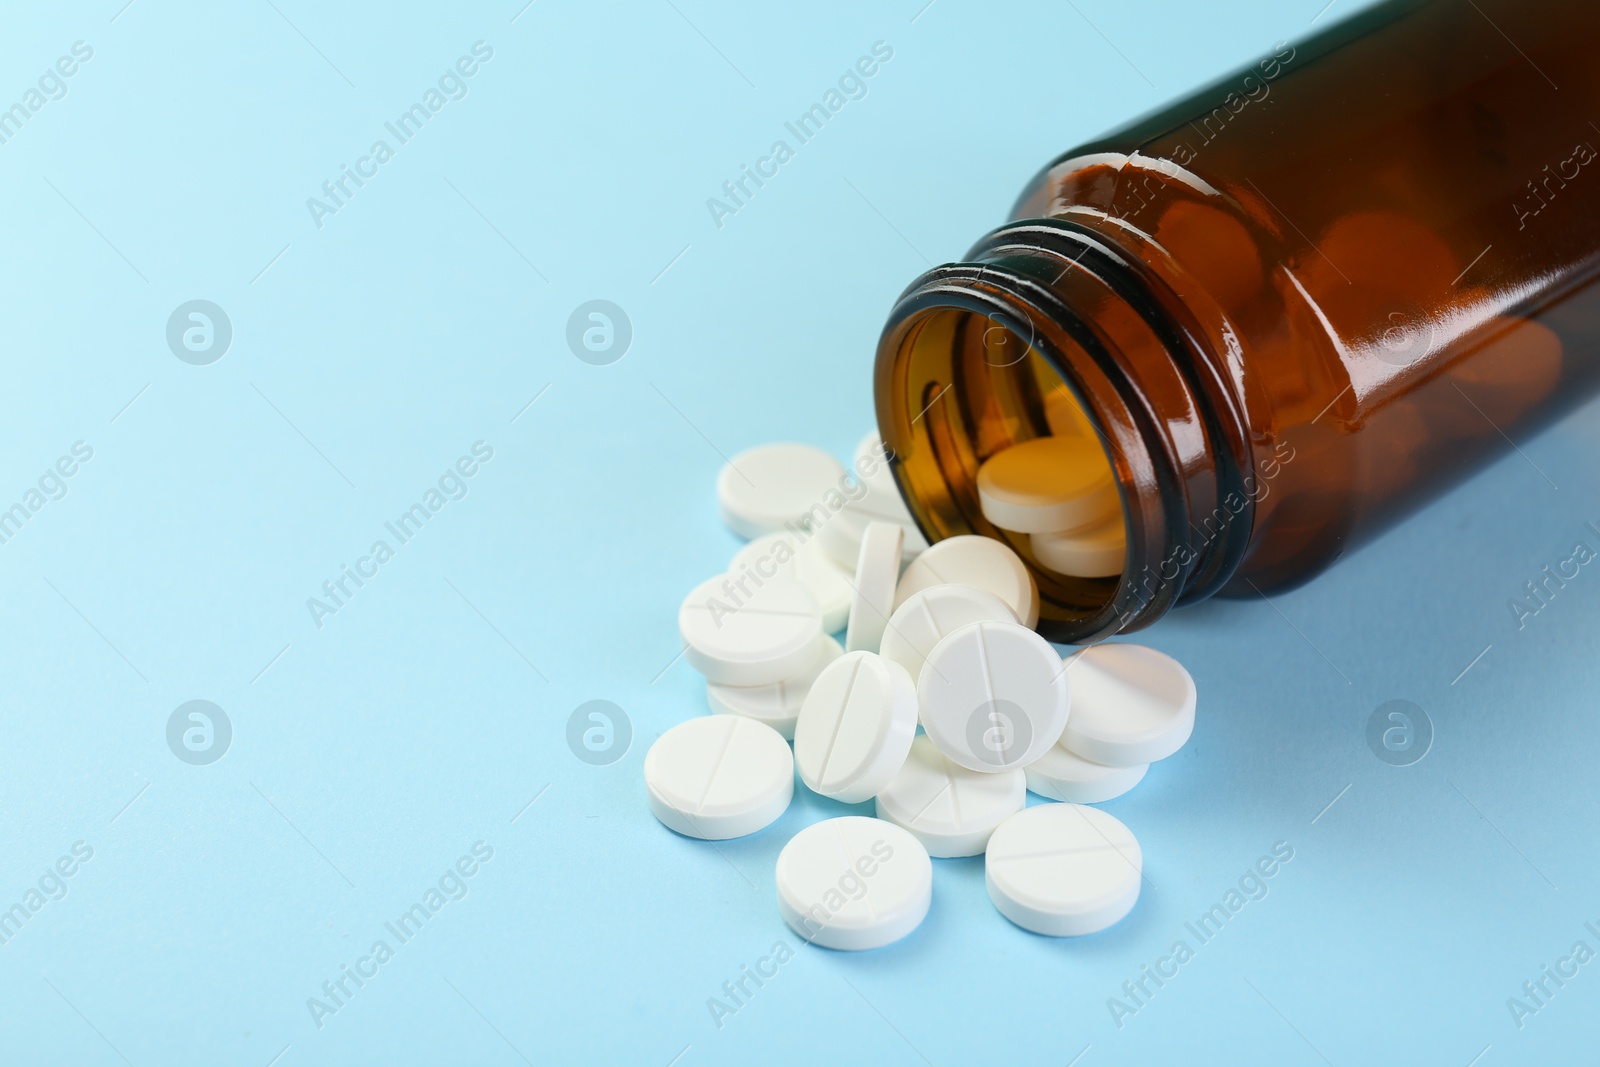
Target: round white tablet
(764, 487)
(872, 455)
(994, 696)
(1062, 774)
(841, 533)
(928, 617)
(981, 562)
(785, 555)
(1097, 552)
(1063, 870)
(718, 776)
(855, 727)
(1047, 483)
(1131, 704)
(853, 883)
(950, 809)
(778, 704)
(742, 634)
(877, 573)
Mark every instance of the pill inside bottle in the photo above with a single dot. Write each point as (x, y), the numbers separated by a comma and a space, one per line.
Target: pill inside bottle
(1016, 457)
(1216, 350)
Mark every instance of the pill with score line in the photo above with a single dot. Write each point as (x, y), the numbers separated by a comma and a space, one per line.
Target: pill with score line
(762, 489)
(856, 726)
(854, 883)
(1063, 870)
(718, 776)
(994, 696)
(742, 634)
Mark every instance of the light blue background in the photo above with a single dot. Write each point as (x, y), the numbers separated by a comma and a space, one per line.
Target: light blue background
(370, 753)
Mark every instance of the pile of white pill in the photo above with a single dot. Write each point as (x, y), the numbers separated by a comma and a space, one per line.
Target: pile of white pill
(943, 705)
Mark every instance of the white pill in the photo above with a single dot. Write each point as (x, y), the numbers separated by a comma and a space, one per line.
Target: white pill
(750, 635)
(853, 883)
(855, 727)
(1046, 484)
(1062, 774)
(950, 809)
(785, 555)
(778, 704)
(1097, 552)
(928, 617)
(1131, 704)
(718, 776)
(994, 696)
(872, 471)
(841, 533)
(981, 562)
(762, 488)
(877, 574)
(1063, 870)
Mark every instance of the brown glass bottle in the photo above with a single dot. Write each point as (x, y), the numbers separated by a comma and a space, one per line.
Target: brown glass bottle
(1293, 306)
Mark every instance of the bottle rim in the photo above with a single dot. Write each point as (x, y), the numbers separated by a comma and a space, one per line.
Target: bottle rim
(1116, 336)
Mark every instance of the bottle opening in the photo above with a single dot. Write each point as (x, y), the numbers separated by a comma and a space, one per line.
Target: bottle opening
(997, 442)
(1054, 362)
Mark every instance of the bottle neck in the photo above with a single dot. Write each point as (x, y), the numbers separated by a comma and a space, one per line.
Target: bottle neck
(967, 366)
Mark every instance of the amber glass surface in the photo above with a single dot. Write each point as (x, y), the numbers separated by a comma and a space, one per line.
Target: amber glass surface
(1294, 305)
